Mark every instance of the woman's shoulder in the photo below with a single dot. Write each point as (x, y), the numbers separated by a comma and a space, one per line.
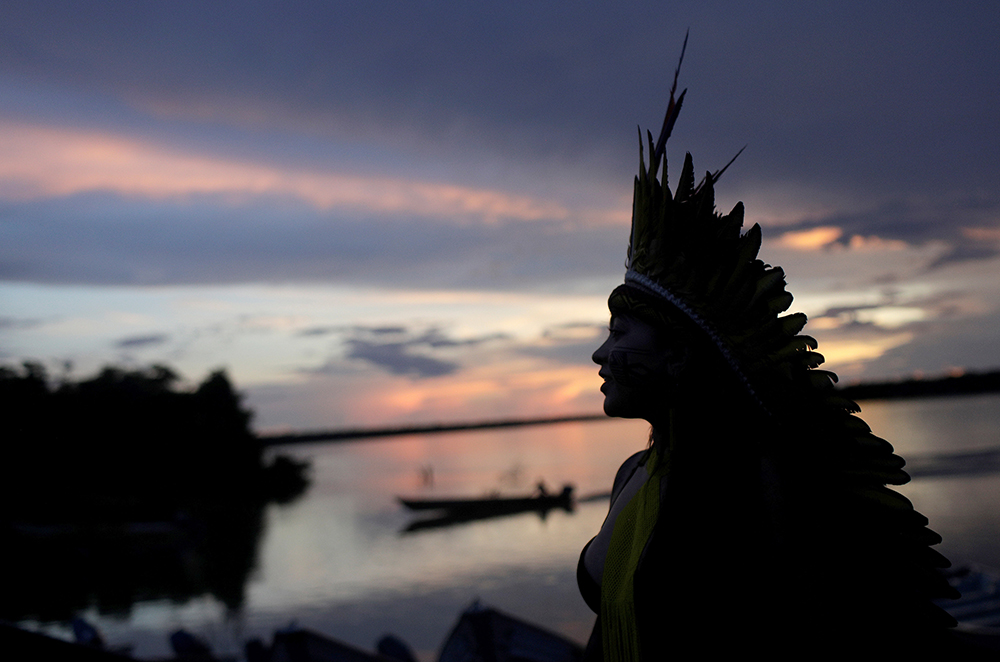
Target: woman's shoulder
(626, 470)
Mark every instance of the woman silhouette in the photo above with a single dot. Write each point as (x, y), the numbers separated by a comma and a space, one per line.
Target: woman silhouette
(758, 518)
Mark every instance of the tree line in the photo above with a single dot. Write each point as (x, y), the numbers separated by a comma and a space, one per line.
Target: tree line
(125, 485)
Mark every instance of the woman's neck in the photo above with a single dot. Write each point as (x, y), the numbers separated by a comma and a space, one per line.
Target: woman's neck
(663, 433)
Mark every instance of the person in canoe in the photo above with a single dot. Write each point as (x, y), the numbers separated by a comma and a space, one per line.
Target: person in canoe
(758, 519)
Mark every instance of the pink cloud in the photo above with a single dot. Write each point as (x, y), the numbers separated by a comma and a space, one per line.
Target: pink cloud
(37, 161)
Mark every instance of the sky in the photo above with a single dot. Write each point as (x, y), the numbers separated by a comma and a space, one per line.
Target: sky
(383, 213)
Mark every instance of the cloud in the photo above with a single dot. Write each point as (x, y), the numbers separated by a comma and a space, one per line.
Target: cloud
(372, 330)
(982, 234)
(573, 331)
(402, 351)
(967, 228)
(893, 333)
(435, 338)
(965, 251)
(135, 342)
(398, 359)
(238, 139)
(571, 343)
(859, 349)
(45, 162)
(939, 346)
(101, 238)
(558, 83)
(405, 351)
(893, 312)
(319, 331)
(811, 239)
(14, 323)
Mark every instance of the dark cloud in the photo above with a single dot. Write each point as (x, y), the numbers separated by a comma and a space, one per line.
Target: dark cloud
(854, 327)
(434, 337)
(964, 250)
(575, 353)
(849, 311)
(373, 330)
(410, 352)
(861, 95)
(402, 351)
(860, 98)
(106, 239)
(319, 331)
(918, 222)
(940, 306)
(398, 359)
(380, 330)
(136, 342)
(407, 351)
(13, 323)
(571, 343)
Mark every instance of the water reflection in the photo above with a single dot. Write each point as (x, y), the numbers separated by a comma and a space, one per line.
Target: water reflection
(62, 569)
(334, 557)
(969, 463)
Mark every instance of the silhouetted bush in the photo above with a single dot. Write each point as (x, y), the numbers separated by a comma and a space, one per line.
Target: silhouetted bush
(123, 487)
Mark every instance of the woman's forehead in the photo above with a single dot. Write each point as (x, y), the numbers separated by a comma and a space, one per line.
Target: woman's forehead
(624, 318)
(643, 314)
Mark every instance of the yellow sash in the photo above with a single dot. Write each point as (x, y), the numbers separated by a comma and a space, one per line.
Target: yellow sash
(632, 529)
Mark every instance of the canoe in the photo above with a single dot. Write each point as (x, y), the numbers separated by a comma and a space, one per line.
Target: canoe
(494, 504)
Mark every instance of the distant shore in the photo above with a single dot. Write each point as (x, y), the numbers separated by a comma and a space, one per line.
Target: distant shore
(368, 433)
(966, 384)
(969, 383)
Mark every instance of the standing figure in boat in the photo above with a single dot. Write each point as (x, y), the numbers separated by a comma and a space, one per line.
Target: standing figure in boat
(758, 518)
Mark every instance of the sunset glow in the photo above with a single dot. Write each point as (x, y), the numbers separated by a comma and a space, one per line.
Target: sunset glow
(810, 240)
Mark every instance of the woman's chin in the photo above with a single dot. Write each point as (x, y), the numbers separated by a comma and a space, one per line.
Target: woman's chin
(616, 409)
(632, 403)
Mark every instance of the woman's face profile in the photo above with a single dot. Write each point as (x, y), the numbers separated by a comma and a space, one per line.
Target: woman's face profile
(640, 365)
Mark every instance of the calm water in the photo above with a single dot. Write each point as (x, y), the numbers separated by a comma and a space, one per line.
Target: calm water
(336, 562)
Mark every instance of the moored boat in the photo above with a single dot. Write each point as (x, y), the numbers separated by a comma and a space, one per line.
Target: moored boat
(541, 500)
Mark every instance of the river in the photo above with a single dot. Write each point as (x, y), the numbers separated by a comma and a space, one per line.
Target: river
(336, 560)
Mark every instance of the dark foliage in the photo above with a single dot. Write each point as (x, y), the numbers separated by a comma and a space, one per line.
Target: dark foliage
(123, 487)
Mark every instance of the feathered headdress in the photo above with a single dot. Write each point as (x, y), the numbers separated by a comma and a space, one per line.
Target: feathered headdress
(682, 251)
(695, 261)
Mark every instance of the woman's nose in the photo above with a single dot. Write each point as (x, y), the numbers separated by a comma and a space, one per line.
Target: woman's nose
(600, 355)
